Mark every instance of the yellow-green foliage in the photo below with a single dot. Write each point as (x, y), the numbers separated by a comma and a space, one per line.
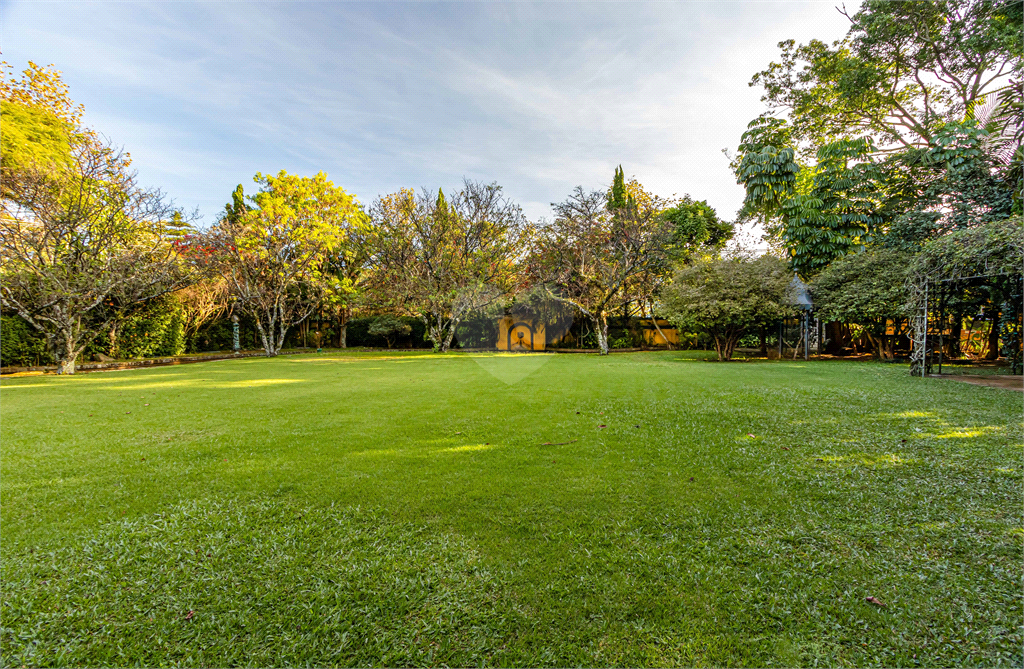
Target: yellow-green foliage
(31, 136)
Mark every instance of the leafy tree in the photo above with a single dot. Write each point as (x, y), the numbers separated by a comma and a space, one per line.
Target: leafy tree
(913, 119)
(726, 298)
(200, 303)
(620, 196)
(869, 289)
(591, 257)
(440, 261)
(389, 327)
(40, 123)
(81, 245)
(903, 70)
(696, 229)
(350, 266)
(272, 249)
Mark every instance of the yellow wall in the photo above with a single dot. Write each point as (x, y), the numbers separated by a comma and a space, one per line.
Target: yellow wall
(654, 339)
(533, 336)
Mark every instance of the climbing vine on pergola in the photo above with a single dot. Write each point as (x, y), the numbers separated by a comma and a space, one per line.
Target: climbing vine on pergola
(994, 251)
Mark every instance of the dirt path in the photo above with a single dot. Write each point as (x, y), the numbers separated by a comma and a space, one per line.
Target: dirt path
(994, 381)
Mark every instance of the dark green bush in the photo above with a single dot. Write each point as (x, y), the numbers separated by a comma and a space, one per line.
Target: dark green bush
(21, 345)
(359, 334)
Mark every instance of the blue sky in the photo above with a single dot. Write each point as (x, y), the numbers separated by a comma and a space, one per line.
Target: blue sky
(539, 97)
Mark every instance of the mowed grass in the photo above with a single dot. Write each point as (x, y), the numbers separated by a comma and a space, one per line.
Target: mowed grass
(487, 509)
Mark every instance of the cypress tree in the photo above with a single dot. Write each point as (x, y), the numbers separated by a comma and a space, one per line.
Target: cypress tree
(618, 199)
(234, 209)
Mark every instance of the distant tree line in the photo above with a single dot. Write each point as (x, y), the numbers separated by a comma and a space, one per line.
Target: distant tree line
(874, 149)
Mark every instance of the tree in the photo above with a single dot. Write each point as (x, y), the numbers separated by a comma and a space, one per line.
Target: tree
(349, 266)
(903, 70)
(201, 302)
(696, 229)
(620, 196)
(589, 254)
(81, 244)
(726, 297)
(272, 249)
(389, 327)
(916, 113)
(40, 120)
(440, 261)
(869, 289)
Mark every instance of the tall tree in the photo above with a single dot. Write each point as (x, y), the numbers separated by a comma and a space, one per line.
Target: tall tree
(273, 249)
(903, 70)
(915, 113)
(349, 266)
(440, 261)
(40, 123)
(589, 255)
(81, 244)
(868, 289)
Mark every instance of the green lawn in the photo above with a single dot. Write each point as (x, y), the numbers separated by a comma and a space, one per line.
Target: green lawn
(421, 509)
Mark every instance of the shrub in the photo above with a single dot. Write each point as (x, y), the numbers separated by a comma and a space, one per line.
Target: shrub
(21, 344)
(390, 328)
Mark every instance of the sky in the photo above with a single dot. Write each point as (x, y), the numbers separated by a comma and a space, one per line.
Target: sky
(538, 97)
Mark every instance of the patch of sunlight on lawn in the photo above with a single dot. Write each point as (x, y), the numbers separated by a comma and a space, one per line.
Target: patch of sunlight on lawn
(967, 434)
(468, 447)
(254, 383)
(881, 461)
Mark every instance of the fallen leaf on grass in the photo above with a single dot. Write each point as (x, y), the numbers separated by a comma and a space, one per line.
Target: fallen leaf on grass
(875, 601)
(600, 426)
(145, 405)
(189, 615)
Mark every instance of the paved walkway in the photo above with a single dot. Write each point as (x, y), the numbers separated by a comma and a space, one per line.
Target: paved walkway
(993, 381)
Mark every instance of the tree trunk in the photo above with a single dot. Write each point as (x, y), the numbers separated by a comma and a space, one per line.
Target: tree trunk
(602, 333)
(267, 344)
(280, 340)
(343, 328)
(657, 327)
(66, 355)
(435, 333)
(953, 340)
(993, 338)
(882, 346)
(724, 346)
(451, 334)
(113, 341)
